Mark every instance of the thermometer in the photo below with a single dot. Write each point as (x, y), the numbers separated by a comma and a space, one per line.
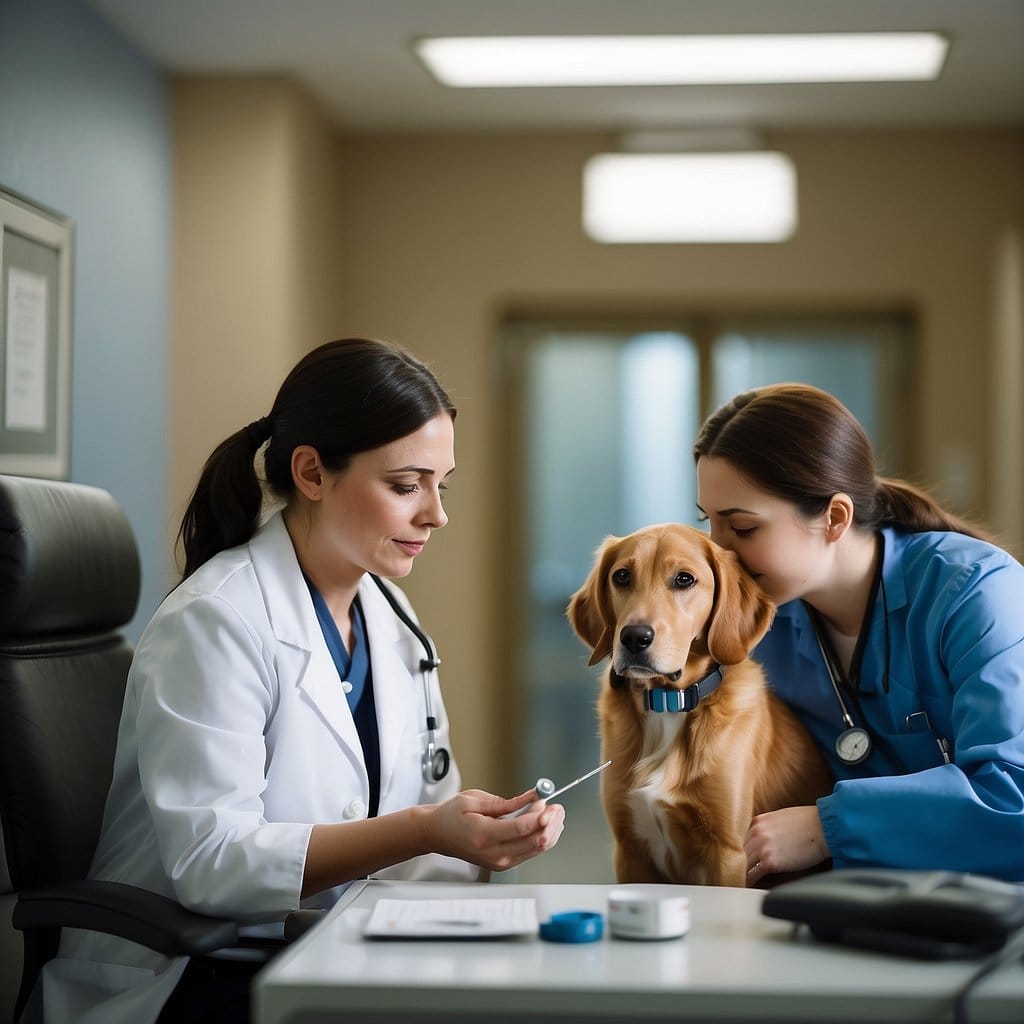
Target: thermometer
(546, 788)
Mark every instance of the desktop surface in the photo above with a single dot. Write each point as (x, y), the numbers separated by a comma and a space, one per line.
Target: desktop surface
(733, 965)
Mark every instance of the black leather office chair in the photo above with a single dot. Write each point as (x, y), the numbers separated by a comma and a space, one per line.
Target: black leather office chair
(69, 582)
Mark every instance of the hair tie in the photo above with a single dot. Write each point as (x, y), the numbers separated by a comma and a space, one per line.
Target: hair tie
(259, 430)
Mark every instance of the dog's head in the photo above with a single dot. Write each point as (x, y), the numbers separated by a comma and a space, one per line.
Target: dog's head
(657, 596)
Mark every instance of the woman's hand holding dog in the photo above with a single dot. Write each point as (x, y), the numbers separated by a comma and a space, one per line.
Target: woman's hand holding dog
(790, 839)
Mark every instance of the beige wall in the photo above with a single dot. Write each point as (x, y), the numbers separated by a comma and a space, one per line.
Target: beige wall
(257, 256)
(443, 236)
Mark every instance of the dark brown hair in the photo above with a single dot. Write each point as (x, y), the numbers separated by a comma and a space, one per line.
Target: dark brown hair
(343, 398)
(803, 445)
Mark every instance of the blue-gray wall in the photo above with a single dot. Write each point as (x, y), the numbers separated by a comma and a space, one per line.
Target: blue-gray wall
(85, 129)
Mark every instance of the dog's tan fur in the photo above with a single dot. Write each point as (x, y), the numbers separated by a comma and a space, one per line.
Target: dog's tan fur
(683, 787)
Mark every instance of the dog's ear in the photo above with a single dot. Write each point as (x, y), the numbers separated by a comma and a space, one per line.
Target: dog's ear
(742, 612)
(588, 611)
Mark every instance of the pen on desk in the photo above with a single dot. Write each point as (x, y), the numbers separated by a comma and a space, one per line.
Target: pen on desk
(460, 924)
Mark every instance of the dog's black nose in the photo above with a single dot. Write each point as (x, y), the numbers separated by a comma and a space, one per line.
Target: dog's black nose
(636, 638)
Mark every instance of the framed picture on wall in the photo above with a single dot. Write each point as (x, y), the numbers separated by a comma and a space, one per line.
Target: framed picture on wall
(35, 339)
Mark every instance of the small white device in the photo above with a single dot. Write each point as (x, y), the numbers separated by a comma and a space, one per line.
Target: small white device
(639, 913)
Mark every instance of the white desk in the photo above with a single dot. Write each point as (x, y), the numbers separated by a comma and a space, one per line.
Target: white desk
(734, 965)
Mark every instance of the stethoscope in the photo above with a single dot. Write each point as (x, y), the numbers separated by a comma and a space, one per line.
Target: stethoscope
(436, 760)
(853, 744)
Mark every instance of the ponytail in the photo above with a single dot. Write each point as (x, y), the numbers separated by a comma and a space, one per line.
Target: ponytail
(900, 504)
(225, 506)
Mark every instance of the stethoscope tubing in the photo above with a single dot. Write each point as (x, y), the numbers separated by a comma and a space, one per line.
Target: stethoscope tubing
(436, 760)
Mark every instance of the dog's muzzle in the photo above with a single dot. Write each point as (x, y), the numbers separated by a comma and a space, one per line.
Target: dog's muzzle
(634, 661)
(644, 670)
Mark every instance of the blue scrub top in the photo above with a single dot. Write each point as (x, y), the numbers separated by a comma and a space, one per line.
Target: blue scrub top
(954, 610)
(356, 670)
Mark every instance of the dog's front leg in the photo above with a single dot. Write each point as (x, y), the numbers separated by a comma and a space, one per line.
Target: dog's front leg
(728, 866)
(633, 863)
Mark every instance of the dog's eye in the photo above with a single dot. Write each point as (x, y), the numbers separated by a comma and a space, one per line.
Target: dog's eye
(621, 577)
(683, 581)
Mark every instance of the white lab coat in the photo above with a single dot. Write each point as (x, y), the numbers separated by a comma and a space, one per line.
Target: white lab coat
(235, 739)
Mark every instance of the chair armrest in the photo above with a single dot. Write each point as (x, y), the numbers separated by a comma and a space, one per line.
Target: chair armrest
(127, 911)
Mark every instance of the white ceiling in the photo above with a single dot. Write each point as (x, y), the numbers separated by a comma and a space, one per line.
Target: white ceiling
(356, 57)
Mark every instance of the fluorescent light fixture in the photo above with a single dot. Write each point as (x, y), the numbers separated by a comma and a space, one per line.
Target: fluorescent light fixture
(510, 61)
(689, 197)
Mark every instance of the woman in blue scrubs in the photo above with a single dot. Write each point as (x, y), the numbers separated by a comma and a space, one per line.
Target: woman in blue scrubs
(898, 640)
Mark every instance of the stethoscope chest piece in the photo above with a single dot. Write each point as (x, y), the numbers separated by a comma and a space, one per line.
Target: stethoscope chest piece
(436, 762)
(853, 745)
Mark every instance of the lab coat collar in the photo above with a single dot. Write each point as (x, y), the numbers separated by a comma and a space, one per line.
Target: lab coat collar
(303, 652)
(302, 655)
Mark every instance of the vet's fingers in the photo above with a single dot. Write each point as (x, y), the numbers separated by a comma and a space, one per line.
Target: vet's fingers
(525, 803)
(756, 847)
(791, 839)
(499, 806)
(757, 867)
(551, 816)
(517, 803)
(539, 831)
(755, 873)
(535, 816)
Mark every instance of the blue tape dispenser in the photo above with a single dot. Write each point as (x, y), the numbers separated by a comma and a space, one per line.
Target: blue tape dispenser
(573, 926)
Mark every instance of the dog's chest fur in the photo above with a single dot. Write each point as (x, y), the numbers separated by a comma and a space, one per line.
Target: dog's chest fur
(651, 789)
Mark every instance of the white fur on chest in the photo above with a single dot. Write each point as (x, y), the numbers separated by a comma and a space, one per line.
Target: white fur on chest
(661, 733)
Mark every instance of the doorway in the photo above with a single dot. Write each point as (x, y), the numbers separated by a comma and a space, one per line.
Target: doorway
(600, 419)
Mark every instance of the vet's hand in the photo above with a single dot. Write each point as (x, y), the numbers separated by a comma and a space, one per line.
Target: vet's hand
(472, 827)
(780, 841)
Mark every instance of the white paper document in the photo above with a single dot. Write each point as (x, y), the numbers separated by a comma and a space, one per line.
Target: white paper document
(453, 918)
(25, 398)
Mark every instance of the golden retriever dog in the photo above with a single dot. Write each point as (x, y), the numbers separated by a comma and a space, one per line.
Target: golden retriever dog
(698, 743)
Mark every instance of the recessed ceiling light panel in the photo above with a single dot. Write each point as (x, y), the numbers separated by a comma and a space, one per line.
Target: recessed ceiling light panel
(521, 61)
(689, 197)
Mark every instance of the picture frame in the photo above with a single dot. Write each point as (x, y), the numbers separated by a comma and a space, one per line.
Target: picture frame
(36, 275)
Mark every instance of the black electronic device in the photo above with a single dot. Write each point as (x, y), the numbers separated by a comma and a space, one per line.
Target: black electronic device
(933, 915)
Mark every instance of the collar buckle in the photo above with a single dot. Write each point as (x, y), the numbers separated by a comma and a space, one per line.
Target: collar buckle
(663, 699)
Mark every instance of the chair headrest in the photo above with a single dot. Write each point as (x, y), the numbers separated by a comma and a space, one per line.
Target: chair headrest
(68, 559)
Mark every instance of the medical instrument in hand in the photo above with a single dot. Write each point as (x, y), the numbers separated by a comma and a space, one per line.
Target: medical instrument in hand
(436, 760)
(546, 791)
(575, 782)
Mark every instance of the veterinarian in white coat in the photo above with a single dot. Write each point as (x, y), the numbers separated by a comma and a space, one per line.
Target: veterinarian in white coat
(271, 747)
(898, 641)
